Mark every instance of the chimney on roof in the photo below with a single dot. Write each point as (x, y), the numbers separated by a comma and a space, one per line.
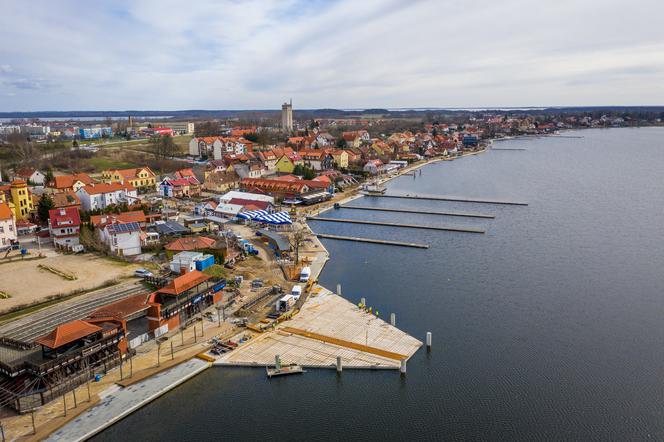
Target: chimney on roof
(63, 212)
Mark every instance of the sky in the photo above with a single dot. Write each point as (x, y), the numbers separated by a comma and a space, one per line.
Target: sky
(256, 54)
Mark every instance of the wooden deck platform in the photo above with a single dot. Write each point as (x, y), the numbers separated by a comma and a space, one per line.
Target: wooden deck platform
(328, 326)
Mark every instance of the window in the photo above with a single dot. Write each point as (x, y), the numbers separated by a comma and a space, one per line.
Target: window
(2, 229)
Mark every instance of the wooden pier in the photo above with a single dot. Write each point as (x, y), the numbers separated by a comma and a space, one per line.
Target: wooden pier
(412, 226)
(424, 212)
(451, 198)
(373, 241)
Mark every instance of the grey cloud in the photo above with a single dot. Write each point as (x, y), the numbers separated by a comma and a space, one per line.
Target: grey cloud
(344, 53)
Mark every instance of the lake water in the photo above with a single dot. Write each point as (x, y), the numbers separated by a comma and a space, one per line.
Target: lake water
(549, 326)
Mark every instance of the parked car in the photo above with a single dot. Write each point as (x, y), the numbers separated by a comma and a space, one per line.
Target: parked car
(142, 273)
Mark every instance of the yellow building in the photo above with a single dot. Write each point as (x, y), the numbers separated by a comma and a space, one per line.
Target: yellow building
(287, 163)
(21, 200)
(340, 158)
(141, 178)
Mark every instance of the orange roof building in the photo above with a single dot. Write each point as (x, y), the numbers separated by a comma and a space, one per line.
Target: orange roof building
(67, 333)
(73, 182)
(190, 243)
(183, 283)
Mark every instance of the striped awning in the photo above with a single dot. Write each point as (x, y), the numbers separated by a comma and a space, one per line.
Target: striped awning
(276, 218)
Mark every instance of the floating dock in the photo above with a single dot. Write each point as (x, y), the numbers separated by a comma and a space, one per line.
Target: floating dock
(411, 226)
(373, 241)
(424, 212)
(507, 148)
(328, 327)
(451, 198)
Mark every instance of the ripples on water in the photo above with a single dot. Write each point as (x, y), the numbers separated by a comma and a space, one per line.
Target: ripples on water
(549, 326)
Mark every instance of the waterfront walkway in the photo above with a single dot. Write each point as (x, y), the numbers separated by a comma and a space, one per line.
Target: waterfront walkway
(117, 402)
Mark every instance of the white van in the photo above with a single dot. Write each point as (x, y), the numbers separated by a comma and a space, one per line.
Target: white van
(285, 303)
(305, 274)
(297, 291)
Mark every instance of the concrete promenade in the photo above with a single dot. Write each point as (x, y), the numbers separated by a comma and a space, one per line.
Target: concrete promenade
(117, 402)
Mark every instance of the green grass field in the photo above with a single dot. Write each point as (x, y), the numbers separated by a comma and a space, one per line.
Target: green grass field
(101, 163)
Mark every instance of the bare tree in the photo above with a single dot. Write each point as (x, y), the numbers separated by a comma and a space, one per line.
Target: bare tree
(296, 239)
(21, 150)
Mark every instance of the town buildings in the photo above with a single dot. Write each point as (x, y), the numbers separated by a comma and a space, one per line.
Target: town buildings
(216, 147)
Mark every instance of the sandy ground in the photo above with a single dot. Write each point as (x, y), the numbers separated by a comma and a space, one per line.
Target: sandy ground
(27, 283)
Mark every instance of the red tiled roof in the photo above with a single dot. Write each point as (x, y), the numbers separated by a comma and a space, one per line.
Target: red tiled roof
(67, 181)
(96, 189)
(273, 185)
(66, 333)
(25, 172)
(124, 307)
(256, 205)
(131, 174)
(190, 243)
(183, 283)
(64, 217)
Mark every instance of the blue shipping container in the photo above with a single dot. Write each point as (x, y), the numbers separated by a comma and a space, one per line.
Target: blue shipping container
(205, 262)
